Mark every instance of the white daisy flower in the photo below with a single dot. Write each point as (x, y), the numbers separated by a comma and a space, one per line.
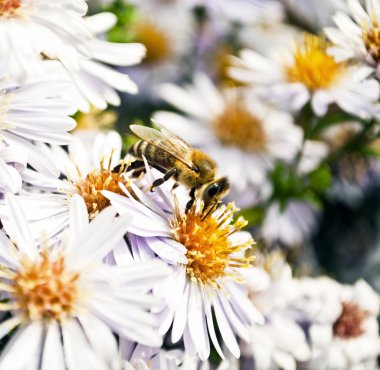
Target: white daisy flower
(280, 343)
(208, 280)
(31, 28)
(243, 135)
(93, 82)
(357, 35)
(342, 324)
(32, 114)
(84, 171)
(13, 160)
(309, 73)
(65, 303)
(166, 30)
(289, 224)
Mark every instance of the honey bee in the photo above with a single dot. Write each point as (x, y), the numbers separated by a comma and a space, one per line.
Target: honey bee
(190, 167)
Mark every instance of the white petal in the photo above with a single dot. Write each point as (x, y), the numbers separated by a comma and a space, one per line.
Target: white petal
(20, 231)
(225, 329)
(197, 322)
(52, 355)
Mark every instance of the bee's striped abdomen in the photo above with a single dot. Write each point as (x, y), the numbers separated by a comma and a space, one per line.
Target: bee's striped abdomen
(153, 154)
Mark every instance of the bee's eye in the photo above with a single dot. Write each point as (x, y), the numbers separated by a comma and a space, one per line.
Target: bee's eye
(212, 190)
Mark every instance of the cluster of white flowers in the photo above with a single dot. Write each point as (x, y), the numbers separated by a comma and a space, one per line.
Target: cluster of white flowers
(99, 272)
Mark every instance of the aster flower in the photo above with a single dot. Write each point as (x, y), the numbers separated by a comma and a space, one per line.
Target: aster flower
(166, 30)
(85, 170)
(208, 280)
(341, 323)
(64, 302)
(93, 82)
(31, 28)
(357, 35)
(244, 135)
(309, 73)
(289, 224)
(32, 114)
(280, 343)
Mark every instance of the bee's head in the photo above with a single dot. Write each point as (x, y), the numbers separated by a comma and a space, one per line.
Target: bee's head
(215, 191)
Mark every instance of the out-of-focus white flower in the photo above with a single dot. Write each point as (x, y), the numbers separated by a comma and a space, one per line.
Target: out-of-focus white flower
(357, 37)
(313, 152)
(64, 302)
(33, 114)
(309, 73)
(206, 280)
(280, 343)
(166, 30)
(93, 82)
(315, 13)
(13, 160)
(242, 134)
(289, 224)
(85, 170)
(30, 29)
(342, 323)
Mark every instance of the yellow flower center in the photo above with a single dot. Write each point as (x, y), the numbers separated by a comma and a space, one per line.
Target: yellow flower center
(312, 66)
(207, 237)
(371, 39)
(221, 63)
(9, 8)
(45, 289)
(237, 126)
(96, 120)
(101, 179)
(349, 323)
(156, 40)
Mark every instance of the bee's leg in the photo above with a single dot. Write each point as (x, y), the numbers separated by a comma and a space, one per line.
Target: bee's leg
(166, 177)
(175, 186)
(192, 199)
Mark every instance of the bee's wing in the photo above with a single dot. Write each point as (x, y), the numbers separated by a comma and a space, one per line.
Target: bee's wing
(167, 141)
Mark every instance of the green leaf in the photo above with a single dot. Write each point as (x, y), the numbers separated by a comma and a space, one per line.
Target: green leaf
(320, 179)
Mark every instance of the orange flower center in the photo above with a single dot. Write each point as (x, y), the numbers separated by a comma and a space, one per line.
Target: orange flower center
(96, 181)
(9, 8)
(156, 40)
(46, 289)
(371, 39)
(237, 126)
(207, 238)
(349, 323)
(312, 66)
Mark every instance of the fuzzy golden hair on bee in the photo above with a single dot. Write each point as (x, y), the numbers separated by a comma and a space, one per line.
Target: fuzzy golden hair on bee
(175, 158)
